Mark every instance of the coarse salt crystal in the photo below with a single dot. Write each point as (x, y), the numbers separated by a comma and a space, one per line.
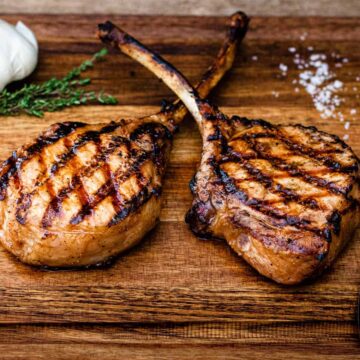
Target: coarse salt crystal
(353, 111)
(347, 125)
(283, 67)
(310, 88)
(346, 137)
(319, 81)
(254, 58)
(338, 84)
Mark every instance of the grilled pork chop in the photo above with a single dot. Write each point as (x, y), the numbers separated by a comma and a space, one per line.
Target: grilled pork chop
(80, 194)
(285, 198)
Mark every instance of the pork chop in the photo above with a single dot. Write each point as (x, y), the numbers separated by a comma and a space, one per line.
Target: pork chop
(285, 198)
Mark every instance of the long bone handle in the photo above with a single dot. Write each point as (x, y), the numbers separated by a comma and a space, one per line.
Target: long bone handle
(238, 24)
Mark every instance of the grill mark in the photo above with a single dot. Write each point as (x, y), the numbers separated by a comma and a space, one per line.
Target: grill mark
(285, 193)
(84, 197)
(83, 139)
(218, 136)
(134, 204)
(14, 163)
(107, 189)
(333, 220)
(281, 164)
(266, 125)
(23, 203)
(264, 207)
(72, 147)
(155, 130)
(298, 149)
(53, 209)
(317, 153)
(117, 199)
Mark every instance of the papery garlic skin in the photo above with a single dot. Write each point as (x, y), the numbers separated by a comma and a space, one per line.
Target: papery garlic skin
(18, 52)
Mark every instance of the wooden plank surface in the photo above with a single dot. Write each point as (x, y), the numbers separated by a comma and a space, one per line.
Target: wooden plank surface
(186, 7)
(175, 295)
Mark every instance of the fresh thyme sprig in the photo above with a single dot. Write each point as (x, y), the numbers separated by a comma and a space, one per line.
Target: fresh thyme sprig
(54, 94)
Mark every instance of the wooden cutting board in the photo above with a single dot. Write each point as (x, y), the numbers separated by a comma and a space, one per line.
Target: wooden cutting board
(175, 296)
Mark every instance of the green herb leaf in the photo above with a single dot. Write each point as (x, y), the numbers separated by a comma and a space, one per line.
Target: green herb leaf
(55, 94)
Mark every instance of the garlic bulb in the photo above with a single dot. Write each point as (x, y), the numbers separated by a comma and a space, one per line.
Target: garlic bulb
(18, 52)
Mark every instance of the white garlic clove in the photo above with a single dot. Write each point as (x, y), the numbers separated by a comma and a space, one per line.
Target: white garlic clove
(18, 52)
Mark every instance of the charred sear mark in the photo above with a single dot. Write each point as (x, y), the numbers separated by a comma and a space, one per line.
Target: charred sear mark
(291, 169)
(99, 161)
(168, 106)
(200, 217)
(54, 207)
(254, 122)
(134, 204)
(217, 135)
(300, 149)
(192, 185)
(25, 203)
(156, 132)
(83, 139)
(12, 166)
(146, 143)
(335, 221)
(281, 219)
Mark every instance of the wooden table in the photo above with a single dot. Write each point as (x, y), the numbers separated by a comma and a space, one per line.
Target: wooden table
(175, 296)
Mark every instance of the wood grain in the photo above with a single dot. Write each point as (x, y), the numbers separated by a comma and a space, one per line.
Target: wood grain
(186, 7)
(175, 295)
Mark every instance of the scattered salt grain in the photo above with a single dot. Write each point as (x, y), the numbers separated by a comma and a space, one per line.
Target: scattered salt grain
(320, 83)
(338, 84)
(254, 58)
(317, 76)
(283, 68)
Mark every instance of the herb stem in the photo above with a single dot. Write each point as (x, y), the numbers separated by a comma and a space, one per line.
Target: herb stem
(55, 94)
